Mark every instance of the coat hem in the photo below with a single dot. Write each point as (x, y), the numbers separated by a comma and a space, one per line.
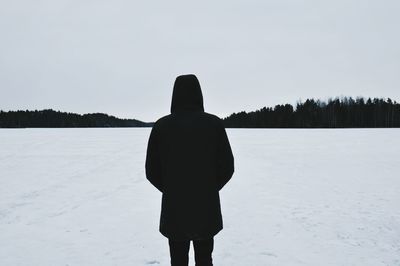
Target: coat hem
(208, 236)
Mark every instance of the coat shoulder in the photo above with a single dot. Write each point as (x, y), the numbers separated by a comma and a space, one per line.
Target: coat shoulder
(165, 120)
(213, 118)
(218, 122)
(161, 121)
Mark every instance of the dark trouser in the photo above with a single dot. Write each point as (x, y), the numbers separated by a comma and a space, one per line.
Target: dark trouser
(179, 251)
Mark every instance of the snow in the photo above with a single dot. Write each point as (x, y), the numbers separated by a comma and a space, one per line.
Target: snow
(298, 197)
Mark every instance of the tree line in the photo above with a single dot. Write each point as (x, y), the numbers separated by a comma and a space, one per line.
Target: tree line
(51, 118)
(344, 112)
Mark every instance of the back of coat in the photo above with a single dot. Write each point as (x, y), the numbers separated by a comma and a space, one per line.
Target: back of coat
(189, 159)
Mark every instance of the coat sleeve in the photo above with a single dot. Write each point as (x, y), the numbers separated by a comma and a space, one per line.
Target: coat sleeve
(153, 161)
(225, 159)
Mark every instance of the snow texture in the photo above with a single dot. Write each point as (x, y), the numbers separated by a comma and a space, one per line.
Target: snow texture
(298, 197)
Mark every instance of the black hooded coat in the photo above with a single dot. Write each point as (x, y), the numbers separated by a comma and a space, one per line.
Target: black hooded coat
(189, 159)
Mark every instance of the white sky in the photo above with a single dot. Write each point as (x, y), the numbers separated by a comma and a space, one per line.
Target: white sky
(122, 57)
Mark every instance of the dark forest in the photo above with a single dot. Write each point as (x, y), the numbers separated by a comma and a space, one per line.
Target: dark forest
(51, 118)
(344, 112)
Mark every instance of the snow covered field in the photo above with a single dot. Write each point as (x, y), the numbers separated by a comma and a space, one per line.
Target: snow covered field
(298, 197)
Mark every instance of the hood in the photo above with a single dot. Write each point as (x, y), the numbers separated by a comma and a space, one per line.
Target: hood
(187, 94)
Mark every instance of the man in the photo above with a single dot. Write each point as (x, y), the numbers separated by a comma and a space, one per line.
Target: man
(189, 159)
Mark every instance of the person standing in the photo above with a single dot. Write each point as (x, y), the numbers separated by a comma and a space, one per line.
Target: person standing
(189, 159)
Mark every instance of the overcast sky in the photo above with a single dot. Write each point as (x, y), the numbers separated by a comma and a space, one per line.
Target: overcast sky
(122, 57)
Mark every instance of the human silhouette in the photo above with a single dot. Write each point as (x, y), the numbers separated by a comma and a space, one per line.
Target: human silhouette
(189, 159)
